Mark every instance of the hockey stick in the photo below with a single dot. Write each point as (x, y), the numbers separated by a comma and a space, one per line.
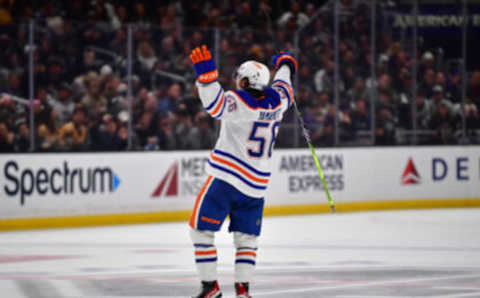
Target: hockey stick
(305, 131)
(306, 134)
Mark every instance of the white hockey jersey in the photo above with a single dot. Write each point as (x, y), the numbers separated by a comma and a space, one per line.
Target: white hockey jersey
(242, 154)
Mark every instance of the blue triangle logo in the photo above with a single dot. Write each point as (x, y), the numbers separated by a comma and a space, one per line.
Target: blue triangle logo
(116, 181)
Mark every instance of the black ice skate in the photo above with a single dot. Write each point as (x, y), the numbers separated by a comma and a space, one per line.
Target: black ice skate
(242, 290)
(210, 289)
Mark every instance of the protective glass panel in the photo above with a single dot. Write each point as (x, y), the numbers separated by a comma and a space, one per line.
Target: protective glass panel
(356, 88)
(15, 133)
(167, 113)
(315, 79)
(80, 83)
(440, 63)
(395, 61)
(471, 108)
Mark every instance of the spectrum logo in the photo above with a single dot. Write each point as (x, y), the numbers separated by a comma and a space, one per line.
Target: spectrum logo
(410, 174)
(62, 180)
(184, 178)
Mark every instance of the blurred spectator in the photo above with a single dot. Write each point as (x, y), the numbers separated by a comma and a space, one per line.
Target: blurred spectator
(323, 78)
(44, 114)
(426, 86)
(358, 90)
(139, 102)
(360, 117)
(404, 85)
(6, 139)
(385, 100)
(89, 62)
(106, 136)
(94, 101)
(473, 90)
(146, 56)
(152, 144)
(15, 84)
(144, 127)
(244, 15)
(55, 74)
(294, 17)
(8, 111)
(345, 126)
(62, 105)
(438, 98)
(73, 134)
(201, 136)
(454, 87)
(385, 86)
(443, 123)
(328, 136)
(427, 62)
(472, 117)
(22, 139)
(167, 140)
(169, 103)
(45, 139)
(315, 124)
(183, 126)
(315, 115)
(385, 127)
(441, 80)
(5, 15)
(425, 111)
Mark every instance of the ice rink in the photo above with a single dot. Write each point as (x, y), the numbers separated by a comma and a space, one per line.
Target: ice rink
(428, 253)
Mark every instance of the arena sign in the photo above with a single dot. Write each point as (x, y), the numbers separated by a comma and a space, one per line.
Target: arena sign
(61, 180)
(440, 30)
(303, 175)
(435, 16)
(62, 185)
(183, 179)
(434, 20)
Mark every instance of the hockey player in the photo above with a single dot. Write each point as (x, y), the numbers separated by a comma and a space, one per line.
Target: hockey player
(239, 165)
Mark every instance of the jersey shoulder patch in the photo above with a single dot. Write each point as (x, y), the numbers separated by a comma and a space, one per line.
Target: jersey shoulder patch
(231, 102)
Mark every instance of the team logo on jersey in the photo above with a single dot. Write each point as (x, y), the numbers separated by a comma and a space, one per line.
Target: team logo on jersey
(169, 184)
(410, 174)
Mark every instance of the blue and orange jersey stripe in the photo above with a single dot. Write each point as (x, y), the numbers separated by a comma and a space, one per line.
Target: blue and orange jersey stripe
(286, 88)
(240, 161)
(215, 109)
(198, 202)
(234, 166)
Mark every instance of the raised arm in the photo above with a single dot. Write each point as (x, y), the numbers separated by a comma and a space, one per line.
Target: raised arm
(210, 91)
(286, 66)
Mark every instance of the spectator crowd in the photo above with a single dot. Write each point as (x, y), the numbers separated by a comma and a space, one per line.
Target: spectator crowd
(81, 88)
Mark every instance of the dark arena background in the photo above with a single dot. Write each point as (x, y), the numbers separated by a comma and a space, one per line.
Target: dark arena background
(104, 145)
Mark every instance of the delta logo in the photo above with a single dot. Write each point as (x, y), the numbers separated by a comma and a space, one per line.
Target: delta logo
(184, 178)
(410, 174)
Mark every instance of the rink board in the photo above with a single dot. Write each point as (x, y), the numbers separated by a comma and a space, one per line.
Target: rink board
(59, 190)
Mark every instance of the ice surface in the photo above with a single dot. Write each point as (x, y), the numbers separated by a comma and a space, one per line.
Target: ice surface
(428, 253)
